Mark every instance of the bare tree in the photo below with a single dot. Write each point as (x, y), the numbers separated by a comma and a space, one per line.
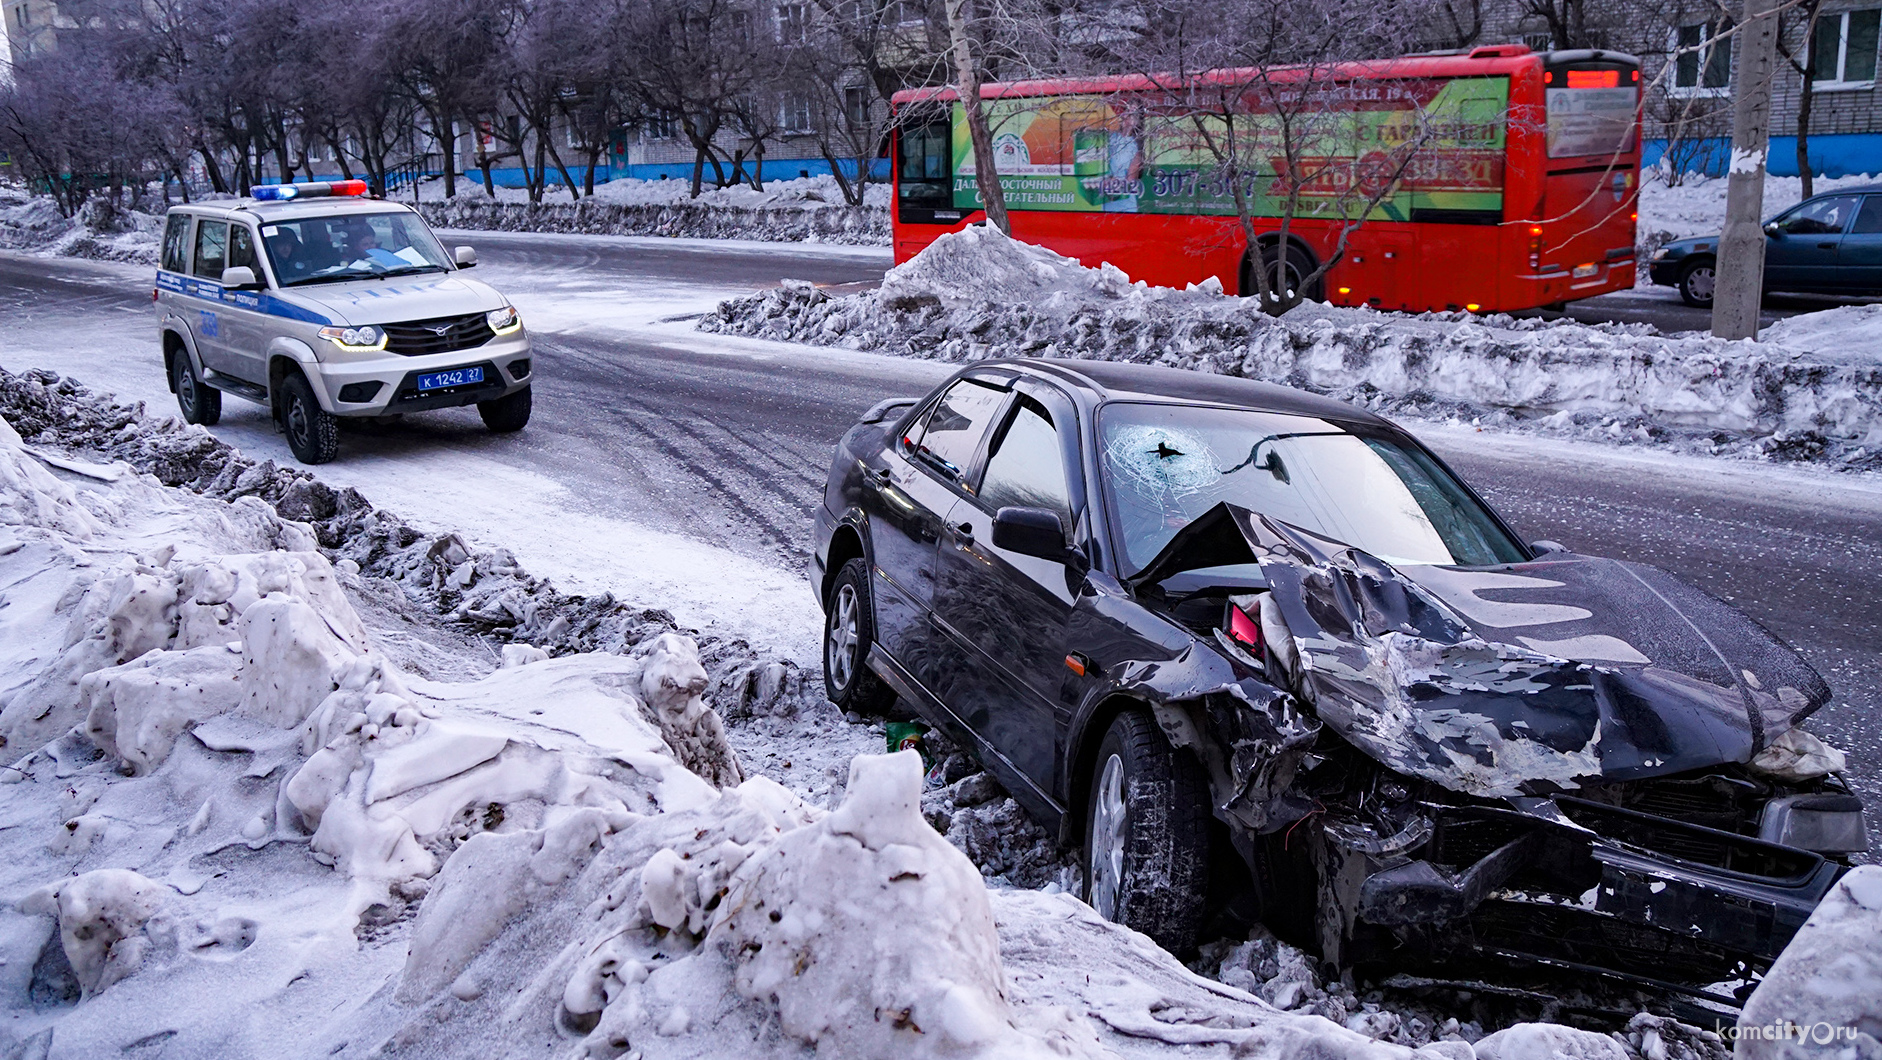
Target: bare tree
(1803, 62)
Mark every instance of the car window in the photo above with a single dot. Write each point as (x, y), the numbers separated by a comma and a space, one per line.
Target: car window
(1167, 464)
(212, 248)
(952, 432)
(1026, 468)
(1819, 217)
(1869, 221)
(242, 248)
(176, 239)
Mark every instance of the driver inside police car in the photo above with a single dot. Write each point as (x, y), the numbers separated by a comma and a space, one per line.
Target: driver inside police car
(289, 261)
(365, 245)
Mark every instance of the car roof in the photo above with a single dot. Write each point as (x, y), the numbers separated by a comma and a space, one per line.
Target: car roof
(1860, 189)
(293, 209)
(1121, 380)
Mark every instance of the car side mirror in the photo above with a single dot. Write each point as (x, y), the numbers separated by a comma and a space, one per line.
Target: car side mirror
(1545, 546)
(466, 257)
(1034, 532)
(1774, 230)
(239, 277)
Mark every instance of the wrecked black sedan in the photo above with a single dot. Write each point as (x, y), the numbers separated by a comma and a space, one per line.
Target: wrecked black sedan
(1261, 653)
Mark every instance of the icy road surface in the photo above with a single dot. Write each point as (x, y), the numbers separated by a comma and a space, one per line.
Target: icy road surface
(691, 462)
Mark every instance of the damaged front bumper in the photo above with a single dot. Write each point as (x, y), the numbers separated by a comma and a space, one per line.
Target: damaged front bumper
(1569, 882)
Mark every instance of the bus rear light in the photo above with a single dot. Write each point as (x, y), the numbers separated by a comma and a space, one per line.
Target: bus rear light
(1343, 291)
(1535, 246)
(1472, 306)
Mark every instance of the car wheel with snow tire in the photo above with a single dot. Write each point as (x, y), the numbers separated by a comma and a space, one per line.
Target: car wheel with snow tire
(507, 413)
(849, 628)
(1147, 834)
(199, 402)
(1695, 284)
(313, 432)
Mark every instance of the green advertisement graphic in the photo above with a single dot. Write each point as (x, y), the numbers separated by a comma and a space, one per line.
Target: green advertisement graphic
(1426, 143)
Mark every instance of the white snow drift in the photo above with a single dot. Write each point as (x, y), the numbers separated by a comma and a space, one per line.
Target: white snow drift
(1813, 391)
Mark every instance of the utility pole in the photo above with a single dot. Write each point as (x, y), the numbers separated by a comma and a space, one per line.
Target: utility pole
(1739, 281)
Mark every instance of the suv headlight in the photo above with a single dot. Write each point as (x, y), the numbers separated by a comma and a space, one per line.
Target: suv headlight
(503, 321)
(356, 339)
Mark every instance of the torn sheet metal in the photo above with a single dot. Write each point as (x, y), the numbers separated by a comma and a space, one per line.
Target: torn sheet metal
(1529, 678)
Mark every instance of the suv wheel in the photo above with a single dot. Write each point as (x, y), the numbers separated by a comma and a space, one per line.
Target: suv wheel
(507, 413)
(1147, 834)
(200, 402)
(313, 432)
(1695, 284)
(848, 631)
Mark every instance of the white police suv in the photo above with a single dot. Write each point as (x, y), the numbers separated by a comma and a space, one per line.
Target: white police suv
(321, 304)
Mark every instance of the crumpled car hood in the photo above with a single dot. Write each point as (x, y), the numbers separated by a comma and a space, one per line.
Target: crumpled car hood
(1517, 680)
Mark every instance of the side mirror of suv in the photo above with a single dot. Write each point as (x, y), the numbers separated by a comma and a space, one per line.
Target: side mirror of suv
(240, 277)
(1035, 532)
(466, 257)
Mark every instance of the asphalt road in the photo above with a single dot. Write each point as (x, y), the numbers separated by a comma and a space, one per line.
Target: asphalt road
(727, 442)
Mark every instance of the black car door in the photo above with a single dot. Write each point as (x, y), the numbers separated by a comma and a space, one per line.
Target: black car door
(911, 485)
(1003, 615)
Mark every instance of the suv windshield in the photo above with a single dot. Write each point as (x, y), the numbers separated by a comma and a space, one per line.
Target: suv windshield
(351, 247)
(1167, 464)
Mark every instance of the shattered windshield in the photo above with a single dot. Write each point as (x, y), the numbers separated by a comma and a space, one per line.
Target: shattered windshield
(1167, 464)
(351, 247)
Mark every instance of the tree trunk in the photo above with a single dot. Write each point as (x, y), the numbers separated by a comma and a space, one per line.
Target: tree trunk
(1806, 94)
(447, 143)
(851, 193)
(967, 76)
(216, 181)
(699, 168)
(588, 181)
(758, 166)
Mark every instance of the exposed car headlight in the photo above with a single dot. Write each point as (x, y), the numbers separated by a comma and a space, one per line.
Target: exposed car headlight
(1661, 253)
(503, 321)
(361, 338)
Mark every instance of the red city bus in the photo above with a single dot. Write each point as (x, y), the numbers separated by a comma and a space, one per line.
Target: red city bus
(1530, 204)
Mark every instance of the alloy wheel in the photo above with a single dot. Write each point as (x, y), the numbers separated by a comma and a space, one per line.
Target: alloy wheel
(840, 642)
(1701, 282)
(1107, 839)
(298, 428)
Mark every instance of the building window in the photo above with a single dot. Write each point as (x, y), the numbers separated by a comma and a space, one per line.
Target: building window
(793, 23)
(794, 113)
(661, 125)
(856, 106)
(1539, 42)
(1845, 49)
(1702, 60)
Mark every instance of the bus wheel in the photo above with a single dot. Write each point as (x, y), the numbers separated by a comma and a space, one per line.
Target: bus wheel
(1287, 271)
(1695, 284)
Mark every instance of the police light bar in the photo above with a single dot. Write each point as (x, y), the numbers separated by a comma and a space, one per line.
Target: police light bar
(284, 192)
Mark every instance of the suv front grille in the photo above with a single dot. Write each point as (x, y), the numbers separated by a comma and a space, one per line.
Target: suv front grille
(443, 335)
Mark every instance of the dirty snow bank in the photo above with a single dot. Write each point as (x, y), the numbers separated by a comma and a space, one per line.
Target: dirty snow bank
(1823, 996)
(795, 211)
(806, 193)
(236, 827)
(978, 294)
(100, 230)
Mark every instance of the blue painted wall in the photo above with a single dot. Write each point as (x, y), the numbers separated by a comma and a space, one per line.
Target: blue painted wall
(1840, 155)
(775, 169)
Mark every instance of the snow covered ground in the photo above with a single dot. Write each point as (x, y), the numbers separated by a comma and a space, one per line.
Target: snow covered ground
(1811, 390)
(269, 795)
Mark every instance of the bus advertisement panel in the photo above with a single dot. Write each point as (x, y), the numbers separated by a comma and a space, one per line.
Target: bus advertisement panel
(1417, 144)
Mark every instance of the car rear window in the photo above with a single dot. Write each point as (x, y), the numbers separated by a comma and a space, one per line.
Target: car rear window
(1167, 464)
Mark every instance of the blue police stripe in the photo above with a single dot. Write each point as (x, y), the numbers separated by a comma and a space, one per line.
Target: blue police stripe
(249, 300)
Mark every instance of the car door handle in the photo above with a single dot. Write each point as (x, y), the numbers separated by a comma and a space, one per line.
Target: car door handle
(877, 476)
(964, 531)
(1826, 246)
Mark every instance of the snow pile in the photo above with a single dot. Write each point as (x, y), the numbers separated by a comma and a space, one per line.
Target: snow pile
(978, 294)
(1823, 996)
(101, 230)
(807, 193)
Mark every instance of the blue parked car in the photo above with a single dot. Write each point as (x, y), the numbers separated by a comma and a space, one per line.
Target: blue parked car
(1827, 244)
